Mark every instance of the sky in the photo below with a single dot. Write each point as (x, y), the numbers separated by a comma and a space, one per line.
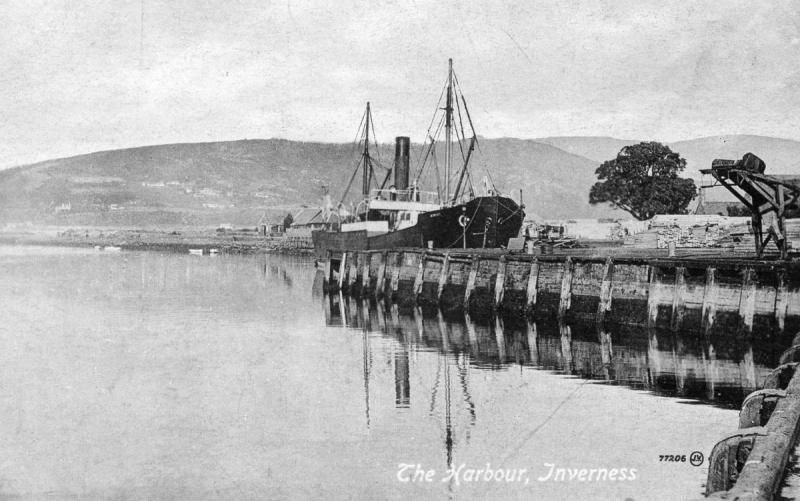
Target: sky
(77, 77)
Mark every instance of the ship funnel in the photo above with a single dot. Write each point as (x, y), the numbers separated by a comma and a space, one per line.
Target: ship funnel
(402, 146)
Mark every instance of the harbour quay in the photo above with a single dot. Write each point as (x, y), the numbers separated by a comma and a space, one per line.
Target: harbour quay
(704, 293)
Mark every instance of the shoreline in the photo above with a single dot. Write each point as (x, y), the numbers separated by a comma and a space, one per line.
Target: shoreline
(177, 241)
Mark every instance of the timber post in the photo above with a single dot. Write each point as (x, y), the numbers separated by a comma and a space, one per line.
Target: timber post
(380, 283)
(342, 267)
(533, 284)
(365, 282)
(678, 298)
(443, 275)
(420, 275)
(473, 277)
(747, 303)
(710, 298)
(566, 289)
(500, 283)
(604, 306)
(396, 271)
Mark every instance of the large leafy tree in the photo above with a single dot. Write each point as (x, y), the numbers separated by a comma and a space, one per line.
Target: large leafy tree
(644, 181)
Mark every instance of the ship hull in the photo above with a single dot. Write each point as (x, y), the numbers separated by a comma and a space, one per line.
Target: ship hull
(490, 223)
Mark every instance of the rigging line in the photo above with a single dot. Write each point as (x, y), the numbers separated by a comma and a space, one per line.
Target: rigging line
(421, 168)
(458, 107)
(459, 139)
(359, 133)
(352, 178)
(375, 138)
(438, 177)
(433, 119)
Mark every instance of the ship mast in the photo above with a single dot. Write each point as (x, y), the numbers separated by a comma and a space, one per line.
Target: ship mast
(448, 153)
(367, 167)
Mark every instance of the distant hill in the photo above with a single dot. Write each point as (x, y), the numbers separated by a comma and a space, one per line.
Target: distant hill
(238, 181)
(595, 148)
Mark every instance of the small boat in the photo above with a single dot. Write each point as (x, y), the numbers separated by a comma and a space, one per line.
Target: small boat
(402, 215)
(112, 248)
(196, 252)
(213, 252)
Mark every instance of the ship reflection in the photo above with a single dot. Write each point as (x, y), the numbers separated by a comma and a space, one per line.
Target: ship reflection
(718, 370)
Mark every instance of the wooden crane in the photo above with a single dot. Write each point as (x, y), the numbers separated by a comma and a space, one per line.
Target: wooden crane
(762, 194)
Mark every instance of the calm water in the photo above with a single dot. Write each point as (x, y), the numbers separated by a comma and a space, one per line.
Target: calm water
(152, 376)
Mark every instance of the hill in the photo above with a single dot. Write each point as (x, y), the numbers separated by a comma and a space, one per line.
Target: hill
(597, 148)
(238, 181)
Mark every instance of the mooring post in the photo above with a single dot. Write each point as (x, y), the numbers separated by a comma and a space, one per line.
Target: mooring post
(420, 275)
(566, 289)
(473, 276)
(781, 301)
(500, 283)
(398, 263)
(710, 300)
(367, 258)
(443, 276)
(678, 298)
(533, 284)
(342, 268)
(747, 302)
(352, 272)
(380, 283)
(604, 305)
(328, 277)
(653, 295)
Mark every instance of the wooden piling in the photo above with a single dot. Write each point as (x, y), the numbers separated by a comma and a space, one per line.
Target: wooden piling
(604, 305)
(653, 296)
(420, 275)
(396, 272)
(747, 302)
(328, 277)
(342, 268)
(473, 276)
(781, 301)
(366, 257)
(352, 272)
(443, 276)
(381, 280)
(710, 300)
(678, 298)
(533, 283)
(500, 283)
(566, 288)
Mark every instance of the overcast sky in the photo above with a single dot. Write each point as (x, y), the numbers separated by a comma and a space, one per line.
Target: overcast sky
(84, 76)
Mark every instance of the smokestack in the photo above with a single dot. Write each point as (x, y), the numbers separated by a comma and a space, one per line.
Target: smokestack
(402, 146)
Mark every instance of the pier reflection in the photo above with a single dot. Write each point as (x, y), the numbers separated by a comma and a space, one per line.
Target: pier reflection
(719, 370)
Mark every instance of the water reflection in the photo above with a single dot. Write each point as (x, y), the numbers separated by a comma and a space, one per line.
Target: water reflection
(718, 370)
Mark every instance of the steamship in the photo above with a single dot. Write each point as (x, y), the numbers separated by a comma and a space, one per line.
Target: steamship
(403, 215)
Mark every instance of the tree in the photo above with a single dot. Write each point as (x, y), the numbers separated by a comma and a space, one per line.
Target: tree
(643, 180)
(287, 221)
